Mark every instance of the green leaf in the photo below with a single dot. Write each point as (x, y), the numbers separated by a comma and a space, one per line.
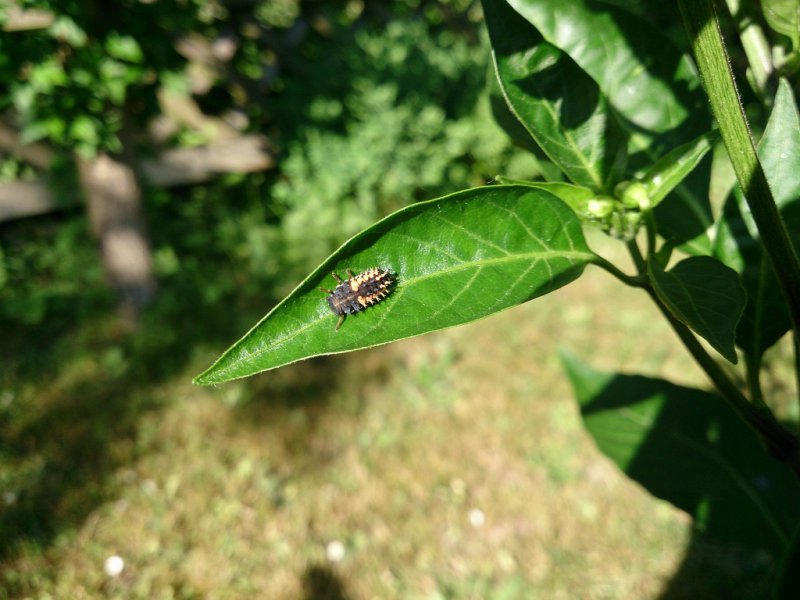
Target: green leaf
(766, 318)
(684, 217)
(506, 119)
(574, 196)
(45, 76)
(784, 17)
(650, 86)
(706, 296)
(124, 47)
(685, 446)
(85, 129)
(559, 105)
(67, 30)
(637, 67)
(456, 259)
(666, 173)
(779, 148)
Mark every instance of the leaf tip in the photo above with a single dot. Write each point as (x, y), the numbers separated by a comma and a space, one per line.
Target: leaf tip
(201, 379)
(209, 377)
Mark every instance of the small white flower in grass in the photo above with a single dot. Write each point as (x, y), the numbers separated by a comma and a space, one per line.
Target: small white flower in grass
(335, 551)
(476, 517)
(149, 487)
(114, 565)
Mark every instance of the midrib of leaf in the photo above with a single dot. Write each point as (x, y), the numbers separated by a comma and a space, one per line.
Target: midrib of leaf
(698, 313)
(572, 256)
(716, 457)
(584, 161)
(587, 167)
(299, 317)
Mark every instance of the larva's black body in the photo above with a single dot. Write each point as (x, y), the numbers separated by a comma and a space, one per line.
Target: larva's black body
(358, 292)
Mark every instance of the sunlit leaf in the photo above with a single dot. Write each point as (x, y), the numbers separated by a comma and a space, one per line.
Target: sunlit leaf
(669, 171)
(784, 17)
(560, 106)
(636, 66)
(575, 196)
(779, 148)
(456, 259)
(650, 86)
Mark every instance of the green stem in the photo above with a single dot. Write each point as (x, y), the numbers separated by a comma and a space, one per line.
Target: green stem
(780, 442)
(631, 280)
(753, 373)
(650, 228)
(638, 259)
(702, 26)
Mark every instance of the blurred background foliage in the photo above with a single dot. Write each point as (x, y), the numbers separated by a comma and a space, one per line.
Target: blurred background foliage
(369, 107)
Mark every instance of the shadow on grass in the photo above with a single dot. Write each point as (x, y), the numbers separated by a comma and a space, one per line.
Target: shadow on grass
(715, 570)
(73, 397)
(321, 583)
(688, 447)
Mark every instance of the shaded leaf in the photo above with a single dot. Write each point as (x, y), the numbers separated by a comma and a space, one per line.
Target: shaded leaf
(766, 317)
(559, 105)
(456, 259)
(787, 583)
(636, 66)
(506, 119)
(684, 217)
(685, 446)
(705, 295)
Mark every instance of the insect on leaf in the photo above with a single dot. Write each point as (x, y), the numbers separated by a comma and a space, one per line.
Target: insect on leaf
(455, 259)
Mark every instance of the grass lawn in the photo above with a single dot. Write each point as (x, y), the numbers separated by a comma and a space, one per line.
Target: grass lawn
(448, 466)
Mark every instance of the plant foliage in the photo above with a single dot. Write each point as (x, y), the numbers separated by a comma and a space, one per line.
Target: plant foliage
(607, 98)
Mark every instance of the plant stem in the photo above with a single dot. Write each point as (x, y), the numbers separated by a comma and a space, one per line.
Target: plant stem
(702, 26)
(781, 443)
(650, 227)
(637, 257)
(753, 372)
(631, 280)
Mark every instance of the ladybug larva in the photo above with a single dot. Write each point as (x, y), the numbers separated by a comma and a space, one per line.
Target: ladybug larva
(358, 292)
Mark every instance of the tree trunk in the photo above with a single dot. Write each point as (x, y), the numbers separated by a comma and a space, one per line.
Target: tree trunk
(113, 199)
